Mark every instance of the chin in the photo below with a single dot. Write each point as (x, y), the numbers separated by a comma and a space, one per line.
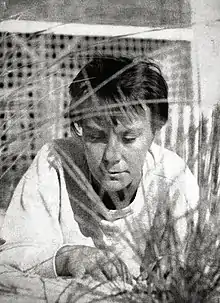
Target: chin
(114, 185)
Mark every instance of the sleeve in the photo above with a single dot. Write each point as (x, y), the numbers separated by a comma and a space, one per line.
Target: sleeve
(31, 226)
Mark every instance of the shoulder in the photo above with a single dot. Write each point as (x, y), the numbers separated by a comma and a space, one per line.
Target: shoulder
(167, 163)
(181, 184)
(175, 170)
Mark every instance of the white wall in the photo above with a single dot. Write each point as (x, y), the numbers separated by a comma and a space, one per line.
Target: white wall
(124, 12)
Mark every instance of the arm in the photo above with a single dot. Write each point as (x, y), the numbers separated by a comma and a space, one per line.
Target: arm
(32, 230)
(31, 226)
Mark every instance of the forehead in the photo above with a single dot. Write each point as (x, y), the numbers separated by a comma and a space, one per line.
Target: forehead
(118, 121)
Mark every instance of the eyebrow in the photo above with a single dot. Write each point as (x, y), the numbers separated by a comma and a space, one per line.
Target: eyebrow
(130, 129)
(126, 130)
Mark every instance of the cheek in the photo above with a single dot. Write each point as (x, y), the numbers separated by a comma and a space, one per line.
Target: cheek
(94, 153)
(137, 155)
(136, 160)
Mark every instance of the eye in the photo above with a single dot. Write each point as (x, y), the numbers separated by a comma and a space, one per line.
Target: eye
(94, 137)
(129, 139)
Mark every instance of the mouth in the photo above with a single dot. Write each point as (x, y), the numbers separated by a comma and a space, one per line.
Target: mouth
(114, 174)
(110, 173)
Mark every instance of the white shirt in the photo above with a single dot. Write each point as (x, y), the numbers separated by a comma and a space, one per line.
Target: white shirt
(50, 209)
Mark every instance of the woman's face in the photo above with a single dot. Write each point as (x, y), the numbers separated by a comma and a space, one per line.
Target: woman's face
(116, 152)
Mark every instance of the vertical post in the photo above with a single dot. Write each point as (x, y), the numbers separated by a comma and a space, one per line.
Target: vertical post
(206, 73)
(206, 49)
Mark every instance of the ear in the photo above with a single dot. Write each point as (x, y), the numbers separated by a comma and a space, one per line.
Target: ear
(77, 128)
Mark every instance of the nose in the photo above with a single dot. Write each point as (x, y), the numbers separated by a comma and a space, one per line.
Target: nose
(112, 151)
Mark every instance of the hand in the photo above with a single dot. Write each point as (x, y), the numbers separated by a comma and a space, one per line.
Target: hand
(81, 261)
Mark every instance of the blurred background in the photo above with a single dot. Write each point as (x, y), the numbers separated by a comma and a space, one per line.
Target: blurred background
(43, 44)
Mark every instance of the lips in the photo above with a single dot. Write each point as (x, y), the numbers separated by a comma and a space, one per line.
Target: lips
(112, 171)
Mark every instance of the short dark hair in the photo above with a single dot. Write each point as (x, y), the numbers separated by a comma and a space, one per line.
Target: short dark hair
(122, 81)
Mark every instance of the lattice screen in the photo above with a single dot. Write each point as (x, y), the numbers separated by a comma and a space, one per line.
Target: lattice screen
(36, 69)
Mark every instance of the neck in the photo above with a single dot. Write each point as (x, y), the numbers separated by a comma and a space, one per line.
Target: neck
(116, 200)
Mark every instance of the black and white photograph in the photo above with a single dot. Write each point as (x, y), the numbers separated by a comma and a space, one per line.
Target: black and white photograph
(110, 151)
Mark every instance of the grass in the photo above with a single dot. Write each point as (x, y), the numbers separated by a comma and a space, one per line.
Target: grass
(187, 275)
(173, 273)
